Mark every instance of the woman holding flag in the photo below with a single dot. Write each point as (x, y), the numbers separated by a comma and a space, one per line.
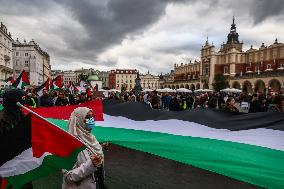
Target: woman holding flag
(83, 174)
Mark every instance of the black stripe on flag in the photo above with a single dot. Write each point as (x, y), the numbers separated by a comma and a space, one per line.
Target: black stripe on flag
(218, 119)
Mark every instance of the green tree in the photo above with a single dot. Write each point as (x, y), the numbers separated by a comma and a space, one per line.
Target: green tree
(220, 82)
(83, 77)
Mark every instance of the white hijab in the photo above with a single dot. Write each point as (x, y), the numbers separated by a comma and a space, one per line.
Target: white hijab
(77, 127)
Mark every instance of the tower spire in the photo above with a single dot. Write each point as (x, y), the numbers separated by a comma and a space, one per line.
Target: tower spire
(233, 19)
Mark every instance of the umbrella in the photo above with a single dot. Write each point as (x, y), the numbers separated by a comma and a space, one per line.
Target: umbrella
(207, 90)
(147, 90)
(183, 90)
(232, 90)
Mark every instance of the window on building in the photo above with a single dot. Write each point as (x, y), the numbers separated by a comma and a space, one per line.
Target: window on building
(26, 54)
(282, 65)
(268, 66)
(130, 76)
(126, 81)
(26, 63)
(256, 68)
(130, 81)
(17, 53)
(226, 70)
(247, 69)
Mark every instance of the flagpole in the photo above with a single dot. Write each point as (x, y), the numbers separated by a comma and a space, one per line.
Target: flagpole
(77, 138)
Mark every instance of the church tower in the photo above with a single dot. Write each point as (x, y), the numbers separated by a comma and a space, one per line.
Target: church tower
(233, 39)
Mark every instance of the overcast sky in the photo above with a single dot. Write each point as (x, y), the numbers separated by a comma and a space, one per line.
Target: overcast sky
(141, 34)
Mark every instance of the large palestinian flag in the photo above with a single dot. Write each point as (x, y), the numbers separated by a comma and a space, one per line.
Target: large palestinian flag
(190, 149)
(33, 150)
(245, 147)
(21, 81)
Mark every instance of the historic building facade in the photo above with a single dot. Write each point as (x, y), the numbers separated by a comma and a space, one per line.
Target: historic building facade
(6, 57)
(68, 76)
(31, 58)
(254, 70)
(122, 77)
(183, 76)
(149, 81)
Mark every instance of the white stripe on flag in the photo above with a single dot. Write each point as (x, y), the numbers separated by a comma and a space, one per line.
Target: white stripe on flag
(21, 164)
(269, 138)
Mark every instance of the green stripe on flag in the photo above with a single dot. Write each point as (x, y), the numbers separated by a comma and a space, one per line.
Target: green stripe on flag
(48, 166)
(253, 164)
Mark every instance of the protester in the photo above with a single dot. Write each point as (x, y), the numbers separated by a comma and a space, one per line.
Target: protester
(70, 97)
(254, 105)
(61, 99)
(45, 100)
(11, 115)
(278, 104)
(30, 100)
(83, 175)
(230, 105)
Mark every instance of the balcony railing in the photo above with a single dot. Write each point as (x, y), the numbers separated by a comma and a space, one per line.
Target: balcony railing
(277, 73)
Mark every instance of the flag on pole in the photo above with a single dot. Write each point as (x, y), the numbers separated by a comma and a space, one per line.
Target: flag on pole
(45, 85)
(9, 80)
(34, 150)
(22, 80)
(57, 83)
(73, 89)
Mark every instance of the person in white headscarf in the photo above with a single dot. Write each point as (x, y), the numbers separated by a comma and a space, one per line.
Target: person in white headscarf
(83, 175)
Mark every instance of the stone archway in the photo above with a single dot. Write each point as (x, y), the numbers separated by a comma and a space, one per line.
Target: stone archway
(205, 86)
(192, 87)
(173, 87)
(236, 85)
(259, 86)
(177, 87)
(186, 86)
(181, 86)
(274, 85)
(247, 87)
(197, 86)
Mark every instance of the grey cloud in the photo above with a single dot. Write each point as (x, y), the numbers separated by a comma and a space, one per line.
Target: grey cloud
(109, 23)
(263, 9)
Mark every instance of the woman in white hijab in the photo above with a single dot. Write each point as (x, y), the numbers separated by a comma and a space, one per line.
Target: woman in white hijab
(82, 175)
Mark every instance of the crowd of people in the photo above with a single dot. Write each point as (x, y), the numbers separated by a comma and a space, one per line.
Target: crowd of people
(61, 97)
(234, 102)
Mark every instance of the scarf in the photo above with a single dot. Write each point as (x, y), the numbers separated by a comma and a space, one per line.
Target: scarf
(76, 127)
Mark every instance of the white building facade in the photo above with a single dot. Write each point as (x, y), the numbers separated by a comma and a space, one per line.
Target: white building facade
(125, 78)
(31, 58)
(69, 76)
(149, 81)
(6, 58)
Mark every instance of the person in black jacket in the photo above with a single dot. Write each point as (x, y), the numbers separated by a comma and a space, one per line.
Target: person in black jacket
(11, 114)
(61, 100)
(254, 105)
(45, 100)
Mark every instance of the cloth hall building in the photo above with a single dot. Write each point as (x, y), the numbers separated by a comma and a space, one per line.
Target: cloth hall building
(254, 70)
